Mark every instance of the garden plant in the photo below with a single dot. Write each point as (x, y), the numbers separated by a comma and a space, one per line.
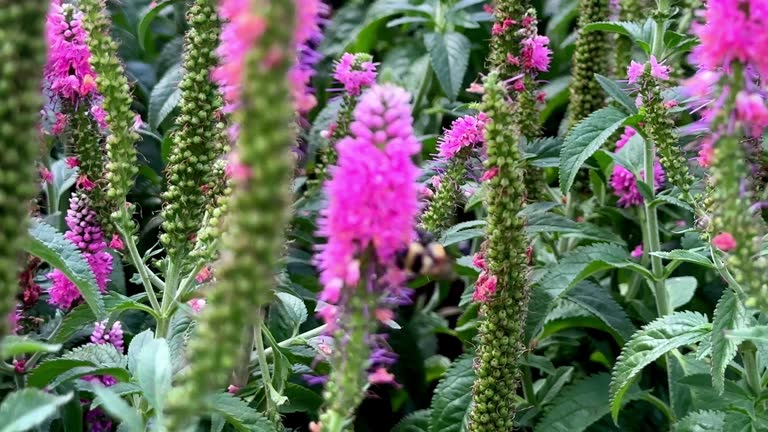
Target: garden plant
(384, 215)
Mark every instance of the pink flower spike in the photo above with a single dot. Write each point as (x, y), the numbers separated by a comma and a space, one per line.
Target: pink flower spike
(46, 175)
(724, 241)
(332, 291)
(467, 131)
(478, 260)
(72, 162)
(381, 376)
(634, 71)
(658, 70)
(706, 153)
(536, 53)
(485, 288)
(637, 252)
(60, 125)
(116, 243)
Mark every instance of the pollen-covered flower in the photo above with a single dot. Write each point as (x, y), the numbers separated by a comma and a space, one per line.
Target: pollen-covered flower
(464, 132)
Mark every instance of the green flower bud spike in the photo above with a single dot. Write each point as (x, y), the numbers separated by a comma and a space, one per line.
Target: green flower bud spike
(22, 50)
(590, 58)
(442, 207)
(259, 212)
(86, 143)
(113, 86)
(500, 339)
(200, 138)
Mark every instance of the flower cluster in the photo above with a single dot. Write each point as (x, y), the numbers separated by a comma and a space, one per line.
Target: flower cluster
(465, 132)
(307, 34)
(89, 238)
(114, 336)
(356, 72)
(623, 181)
(68, 72)
(372, 207)
(485, 286)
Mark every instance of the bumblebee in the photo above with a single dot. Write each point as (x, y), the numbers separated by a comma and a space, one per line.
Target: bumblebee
(423, 257)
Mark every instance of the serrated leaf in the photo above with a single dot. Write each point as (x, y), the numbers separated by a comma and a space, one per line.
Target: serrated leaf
(153, 372)
(701, 421)
(52, 247)
(449, 53)
(73, 322)
(237, 413)
(417, 421)
(636, 31)
(25, 409)
(757, 333)
(15, 345)
(463, 231)
(554, 223)
(584, 139)
(618, 94)
(300, 399)
(452, 396)
(166, 94)
(553, 384)
(651, 342)
(580, 405)
(598, 301)
(669, 199)
(102, 355)
(680, 290)
(685, 255)
(288, 312)
(113, 404)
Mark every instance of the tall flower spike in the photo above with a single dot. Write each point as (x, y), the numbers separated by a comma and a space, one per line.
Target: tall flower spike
(116, 93)
(200, 138)
(366, 223)
(454, 148)
(591, 57)
(22, 53)
(500, 339)
(260, 203)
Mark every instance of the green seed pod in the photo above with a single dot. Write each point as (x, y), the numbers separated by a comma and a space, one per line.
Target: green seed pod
(200, 134)
(22, 53)
(441, 211)
(590, 58)
(113, 86)
(259, 213)
(493, 393)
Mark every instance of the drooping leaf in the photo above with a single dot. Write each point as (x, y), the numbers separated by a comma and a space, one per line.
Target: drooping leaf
(618, 94)
(113, 404)
(452, 396)
(417, 421)
(46, 371)
(239, 414)
(153, 372)
(449, 53)
(702, 421)
(14, 345)
(580, 405)
(52, 247)
(300, 399)
(25, 409)
(730, 314)
(165, 96)
(598, 301)
(651, 342)
(686, 256)
(584, 139)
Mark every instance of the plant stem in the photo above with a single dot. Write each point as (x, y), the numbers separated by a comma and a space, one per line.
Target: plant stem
(141, 268)
(652, 230)
(264, 365)
(528, 391)
(317, 331)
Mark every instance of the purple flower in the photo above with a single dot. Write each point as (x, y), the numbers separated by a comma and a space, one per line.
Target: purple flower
(354, 77)
(464, 132)
(114, 336)
(623, 181)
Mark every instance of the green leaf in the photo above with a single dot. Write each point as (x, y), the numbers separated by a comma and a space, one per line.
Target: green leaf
(580, 405)
(673, 200)
(449, 53)
(598, 301)
(14, 345)
(237, 413)
(553, 384)
(104, 355)
(757, 333)
(148, 17)
(300, 399)
(153, 373)
(417, 421)
(685, 255)
(289, 312)
(165, 96)
(584, 139)
(452, 396)
(136, 347)
(46, 371)
(554, 223)
(618, 94)
(650, 343)
(25, 409)
(702, 421)
(463, 231)
(640, 33)
(130, 420)
(52, 247)
(680, 290)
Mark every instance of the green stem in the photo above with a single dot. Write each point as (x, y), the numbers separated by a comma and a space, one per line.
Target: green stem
(271, 410)
(661, 405)
(652, 229)
(137, 262)
(528, 391)
(317, 331)
(751, 370)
